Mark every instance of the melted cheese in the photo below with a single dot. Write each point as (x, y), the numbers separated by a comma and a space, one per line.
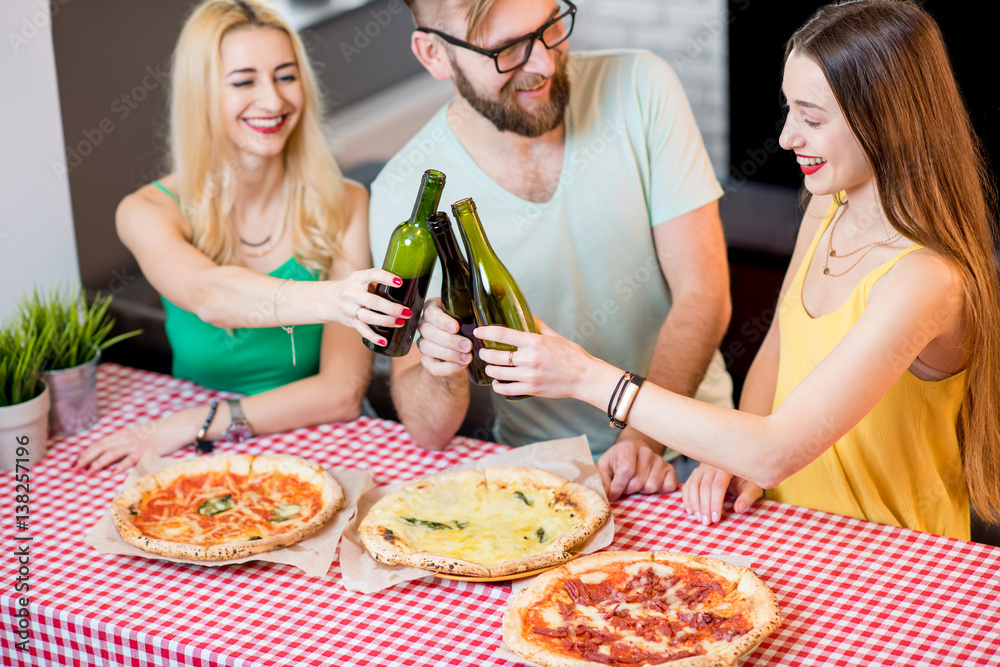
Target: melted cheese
(475, 523)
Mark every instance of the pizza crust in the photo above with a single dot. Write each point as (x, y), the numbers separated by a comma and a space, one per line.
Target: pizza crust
(760, 600)
(587, 509)
(122, 507)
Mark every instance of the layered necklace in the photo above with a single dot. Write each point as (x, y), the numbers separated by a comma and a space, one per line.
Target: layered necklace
(867, 248)
(261, 248)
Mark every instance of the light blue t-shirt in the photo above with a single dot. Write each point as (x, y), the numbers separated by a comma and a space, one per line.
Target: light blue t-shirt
(585, 260)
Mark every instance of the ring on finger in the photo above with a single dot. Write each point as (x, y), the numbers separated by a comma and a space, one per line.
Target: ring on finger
(510, 358)
(358, 312)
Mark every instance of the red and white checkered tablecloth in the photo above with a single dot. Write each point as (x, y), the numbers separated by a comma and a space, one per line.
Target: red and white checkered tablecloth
(851, 592)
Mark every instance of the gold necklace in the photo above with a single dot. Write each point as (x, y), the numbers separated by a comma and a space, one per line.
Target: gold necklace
(868, 247)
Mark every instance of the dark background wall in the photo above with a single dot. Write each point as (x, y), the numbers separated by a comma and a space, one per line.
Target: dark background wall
(757, 39)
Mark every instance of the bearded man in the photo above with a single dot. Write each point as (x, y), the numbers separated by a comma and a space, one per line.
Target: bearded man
(596, 192)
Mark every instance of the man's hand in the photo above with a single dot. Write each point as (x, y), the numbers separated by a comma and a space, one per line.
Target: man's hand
(706, 488)
(632, 467)
(443, 351)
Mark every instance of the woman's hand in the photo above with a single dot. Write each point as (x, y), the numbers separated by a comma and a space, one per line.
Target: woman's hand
(706, 488)
(359, 308)
(126, 447)
(544, 364)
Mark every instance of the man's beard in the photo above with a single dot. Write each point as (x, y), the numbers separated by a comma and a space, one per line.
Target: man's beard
(507, 115)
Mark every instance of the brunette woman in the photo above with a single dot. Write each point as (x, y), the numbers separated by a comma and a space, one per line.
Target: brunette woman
(875, 393)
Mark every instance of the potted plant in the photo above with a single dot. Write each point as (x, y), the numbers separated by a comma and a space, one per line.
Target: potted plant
(24, 399)
(71, 334)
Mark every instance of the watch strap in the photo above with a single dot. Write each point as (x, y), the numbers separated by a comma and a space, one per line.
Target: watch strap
(239, 428)
(235, 411)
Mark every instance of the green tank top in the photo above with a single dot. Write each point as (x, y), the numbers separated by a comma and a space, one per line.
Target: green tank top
(246, 361)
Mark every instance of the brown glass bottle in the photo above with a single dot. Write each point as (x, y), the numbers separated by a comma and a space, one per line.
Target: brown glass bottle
(410, 255)
(497, 298)
(456, 290)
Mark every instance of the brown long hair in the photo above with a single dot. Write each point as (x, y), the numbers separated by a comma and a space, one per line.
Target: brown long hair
(888, 67)
(313, 181)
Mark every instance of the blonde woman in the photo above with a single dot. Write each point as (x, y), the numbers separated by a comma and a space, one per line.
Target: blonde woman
(876, 391)
(257, 245)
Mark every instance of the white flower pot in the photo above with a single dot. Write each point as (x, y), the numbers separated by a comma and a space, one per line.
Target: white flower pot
(24, 429)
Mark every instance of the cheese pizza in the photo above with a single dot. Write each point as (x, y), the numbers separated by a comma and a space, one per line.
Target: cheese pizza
(227, 506)
(493, 522)
(632, 608)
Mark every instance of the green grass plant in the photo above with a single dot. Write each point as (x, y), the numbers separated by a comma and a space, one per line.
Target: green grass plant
(69, 331)
(19, 365)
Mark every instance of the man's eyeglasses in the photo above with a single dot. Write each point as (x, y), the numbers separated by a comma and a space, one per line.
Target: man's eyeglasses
(514, 54)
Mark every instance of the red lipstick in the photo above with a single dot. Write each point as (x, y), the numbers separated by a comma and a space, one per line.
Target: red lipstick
(268, 130)
(809, 170)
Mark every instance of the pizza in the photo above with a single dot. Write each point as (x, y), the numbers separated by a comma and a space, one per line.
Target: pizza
(493, 522)
(227, 506)
(634, 608)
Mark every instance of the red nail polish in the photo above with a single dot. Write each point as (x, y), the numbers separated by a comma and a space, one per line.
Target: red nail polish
(407, 312)
(400, 321)
(381, 341)
(397, 281)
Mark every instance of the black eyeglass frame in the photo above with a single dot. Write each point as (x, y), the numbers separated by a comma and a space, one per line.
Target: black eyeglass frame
(494, 54)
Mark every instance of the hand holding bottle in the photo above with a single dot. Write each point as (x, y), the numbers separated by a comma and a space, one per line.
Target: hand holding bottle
(444, 350)
(359, 307)
(456, 291)
(544, 364)
(411, 256)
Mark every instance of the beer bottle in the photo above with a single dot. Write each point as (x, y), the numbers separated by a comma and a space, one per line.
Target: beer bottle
(497, 298)
(456, 290)
(410, 256)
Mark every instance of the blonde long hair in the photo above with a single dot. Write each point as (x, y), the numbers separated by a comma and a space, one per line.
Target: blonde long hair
(888, 67)
(314, 186)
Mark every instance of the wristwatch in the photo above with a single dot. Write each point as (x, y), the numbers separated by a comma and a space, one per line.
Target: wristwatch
(238, 429)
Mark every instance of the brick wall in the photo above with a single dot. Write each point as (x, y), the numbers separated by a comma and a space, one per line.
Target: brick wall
(691, 35)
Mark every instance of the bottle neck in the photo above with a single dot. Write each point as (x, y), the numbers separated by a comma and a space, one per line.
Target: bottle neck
(427, 199)
(447, 247)
(473, 233)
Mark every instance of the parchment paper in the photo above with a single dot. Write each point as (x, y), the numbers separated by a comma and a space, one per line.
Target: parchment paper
(313, 555)
(570, 458)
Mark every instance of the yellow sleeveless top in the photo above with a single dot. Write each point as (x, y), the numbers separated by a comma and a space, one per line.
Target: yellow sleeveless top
(901, 464)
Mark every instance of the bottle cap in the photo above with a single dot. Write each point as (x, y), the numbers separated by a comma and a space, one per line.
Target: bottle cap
(437, 222)
(466, 204)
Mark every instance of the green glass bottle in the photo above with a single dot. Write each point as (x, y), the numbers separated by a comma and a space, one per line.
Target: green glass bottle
(497, 298)
(410, 255)
(456, 290)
